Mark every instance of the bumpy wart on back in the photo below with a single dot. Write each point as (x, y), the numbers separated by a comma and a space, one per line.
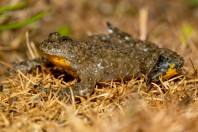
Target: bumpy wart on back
(112, 56)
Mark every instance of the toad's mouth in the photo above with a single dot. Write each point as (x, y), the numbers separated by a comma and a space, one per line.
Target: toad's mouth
(63, 63)
(164, 68)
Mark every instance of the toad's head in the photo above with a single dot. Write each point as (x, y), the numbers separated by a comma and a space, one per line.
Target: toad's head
(59, 50)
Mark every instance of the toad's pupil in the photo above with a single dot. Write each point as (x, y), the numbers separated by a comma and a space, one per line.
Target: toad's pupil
(65, 38)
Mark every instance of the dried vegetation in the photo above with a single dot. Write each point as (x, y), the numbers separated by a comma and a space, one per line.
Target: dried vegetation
(130, 105)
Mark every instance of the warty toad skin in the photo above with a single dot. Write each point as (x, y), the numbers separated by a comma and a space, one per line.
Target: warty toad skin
(106, 57)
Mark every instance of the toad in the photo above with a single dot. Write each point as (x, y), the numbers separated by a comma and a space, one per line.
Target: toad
(106, 57)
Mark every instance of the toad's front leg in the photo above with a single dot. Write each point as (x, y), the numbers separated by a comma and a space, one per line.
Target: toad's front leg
(80, 89)
(83, 88)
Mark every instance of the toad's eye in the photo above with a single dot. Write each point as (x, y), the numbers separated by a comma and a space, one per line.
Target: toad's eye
(66, 38)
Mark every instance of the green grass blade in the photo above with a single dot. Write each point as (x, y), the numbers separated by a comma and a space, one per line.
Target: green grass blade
(64, 30)
(12, 7)
(25, 22)
(193, 3)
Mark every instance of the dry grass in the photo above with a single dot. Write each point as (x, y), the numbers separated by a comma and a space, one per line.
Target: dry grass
(118, 106)
(130, 105)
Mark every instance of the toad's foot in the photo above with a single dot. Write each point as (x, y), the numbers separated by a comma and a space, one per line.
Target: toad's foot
(79, 89)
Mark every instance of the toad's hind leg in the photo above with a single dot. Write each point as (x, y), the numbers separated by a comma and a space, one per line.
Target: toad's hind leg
(115, 35)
